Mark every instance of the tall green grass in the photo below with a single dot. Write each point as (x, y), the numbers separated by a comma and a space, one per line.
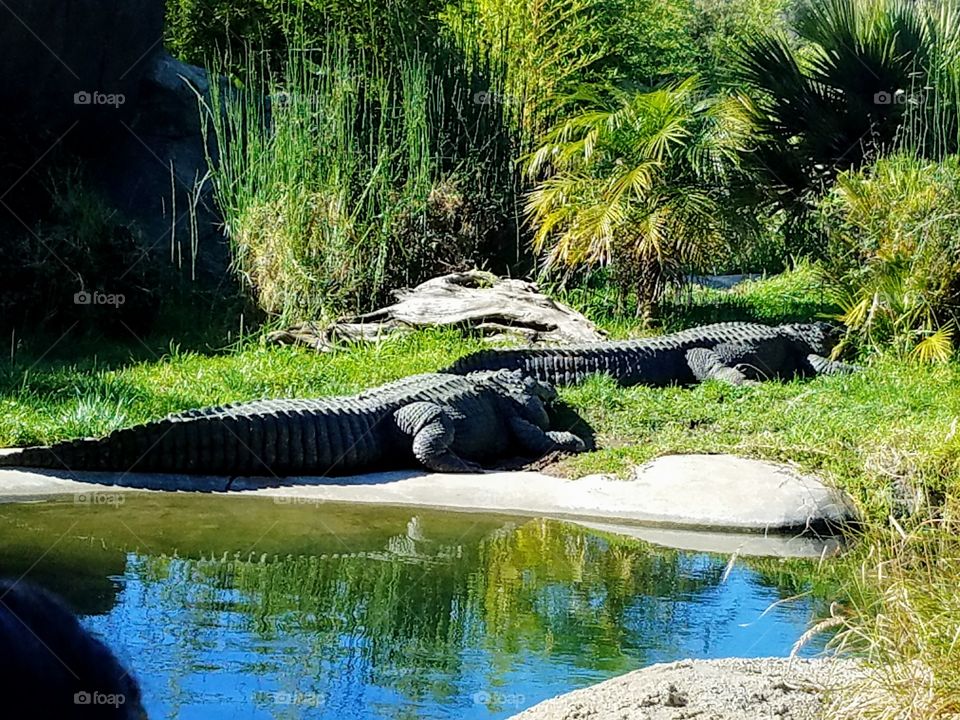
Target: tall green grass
(342, 177)
(315, 165)
(902, 617)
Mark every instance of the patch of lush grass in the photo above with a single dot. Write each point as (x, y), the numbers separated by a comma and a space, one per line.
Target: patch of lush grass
(54, 400)
(797, 295)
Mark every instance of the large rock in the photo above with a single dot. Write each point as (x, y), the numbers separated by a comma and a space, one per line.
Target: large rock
(730, 689)
(476, 300)
(68, 61)
(729, 492)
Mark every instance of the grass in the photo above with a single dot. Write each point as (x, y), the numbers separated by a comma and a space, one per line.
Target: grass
(793, 296)
(904, 613)
(871, 433)
(53, 400)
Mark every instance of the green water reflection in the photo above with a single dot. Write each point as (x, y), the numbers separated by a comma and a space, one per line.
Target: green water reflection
(241, 607)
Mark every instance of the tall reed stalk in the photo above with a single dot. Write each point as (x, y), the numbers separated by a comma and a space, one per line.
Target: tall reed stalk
(341, 177)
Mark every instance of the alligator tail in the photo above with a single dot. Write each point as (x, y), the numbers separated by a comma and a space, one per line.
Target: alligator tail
(72, 455)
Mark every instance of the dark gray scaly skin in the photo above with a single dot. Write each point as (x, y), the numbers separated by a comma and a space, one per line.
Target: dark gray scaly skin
(447, 423)
(735, 352)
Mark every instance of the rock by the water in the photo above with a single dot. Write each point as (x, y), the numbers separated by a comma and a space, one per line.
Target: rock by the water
(669, 502)
(730, 492)
(731, 689)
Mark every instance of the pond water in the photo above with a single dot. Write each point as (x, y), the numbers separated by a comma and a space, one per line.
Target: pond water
(250, 608)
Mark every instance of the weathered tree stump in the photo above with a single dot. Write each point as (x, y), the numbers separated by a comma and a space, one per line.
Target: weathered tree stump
(474, 301)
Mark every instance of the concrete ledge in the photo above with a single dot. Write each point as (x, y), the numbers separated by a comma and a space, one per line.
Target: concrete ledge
(746, 506)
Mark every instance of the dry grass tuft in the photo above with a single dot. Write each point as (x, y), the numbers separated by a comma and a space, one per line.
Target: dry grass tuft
(904, 616)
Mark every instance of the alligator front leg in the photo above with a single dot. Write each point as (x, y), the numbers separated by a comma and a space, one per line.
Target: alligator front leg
(432, 433)
(819, 365)
(538, 442)
(705, 364)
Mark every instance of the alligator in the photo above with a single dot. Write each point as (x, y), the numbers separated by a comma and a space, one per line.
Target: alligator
(735, 352)
(446, 423)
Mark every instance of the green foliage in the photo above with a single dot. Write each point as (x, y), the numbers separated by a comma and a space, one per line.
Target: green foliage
(894, 244)
(341, 179)
(795, 295)
(719, 29)
(636, 182)
(901, 618)
(860, 76)
(538, 51)
(199, 31)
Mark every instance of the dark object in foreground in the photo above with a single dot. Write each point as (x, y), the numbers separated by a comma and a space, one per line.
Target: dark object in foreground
(736, 352)
(50, 667)
(447, 423)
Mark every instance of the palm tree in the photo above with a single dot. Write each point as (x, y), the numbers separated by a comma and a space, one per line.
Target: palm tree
(636, 182)
(859, 77)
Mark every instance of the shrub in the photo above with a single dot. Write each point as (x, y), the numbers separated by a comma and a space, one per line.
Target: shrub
(341, 178)
(856, 78)
(894, 246)
(198, 31)
(637, 182)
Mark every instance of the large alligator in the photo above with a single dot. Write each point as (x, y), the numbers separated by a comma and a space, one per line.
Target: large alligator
(736, 352)
(447, 423)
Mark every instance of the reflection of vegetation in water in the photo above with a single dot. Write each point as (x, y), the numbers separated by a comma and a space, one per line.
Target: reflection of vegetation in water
(555, 587)
(368, 607)
(408, 617)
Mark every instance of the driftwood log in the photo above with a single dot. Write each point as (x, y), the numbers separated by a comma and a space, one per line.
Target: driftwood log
(473, 301)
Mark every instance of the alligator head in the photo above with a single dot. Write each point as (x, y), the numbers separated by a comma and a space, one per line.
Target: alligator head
(821, 337)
